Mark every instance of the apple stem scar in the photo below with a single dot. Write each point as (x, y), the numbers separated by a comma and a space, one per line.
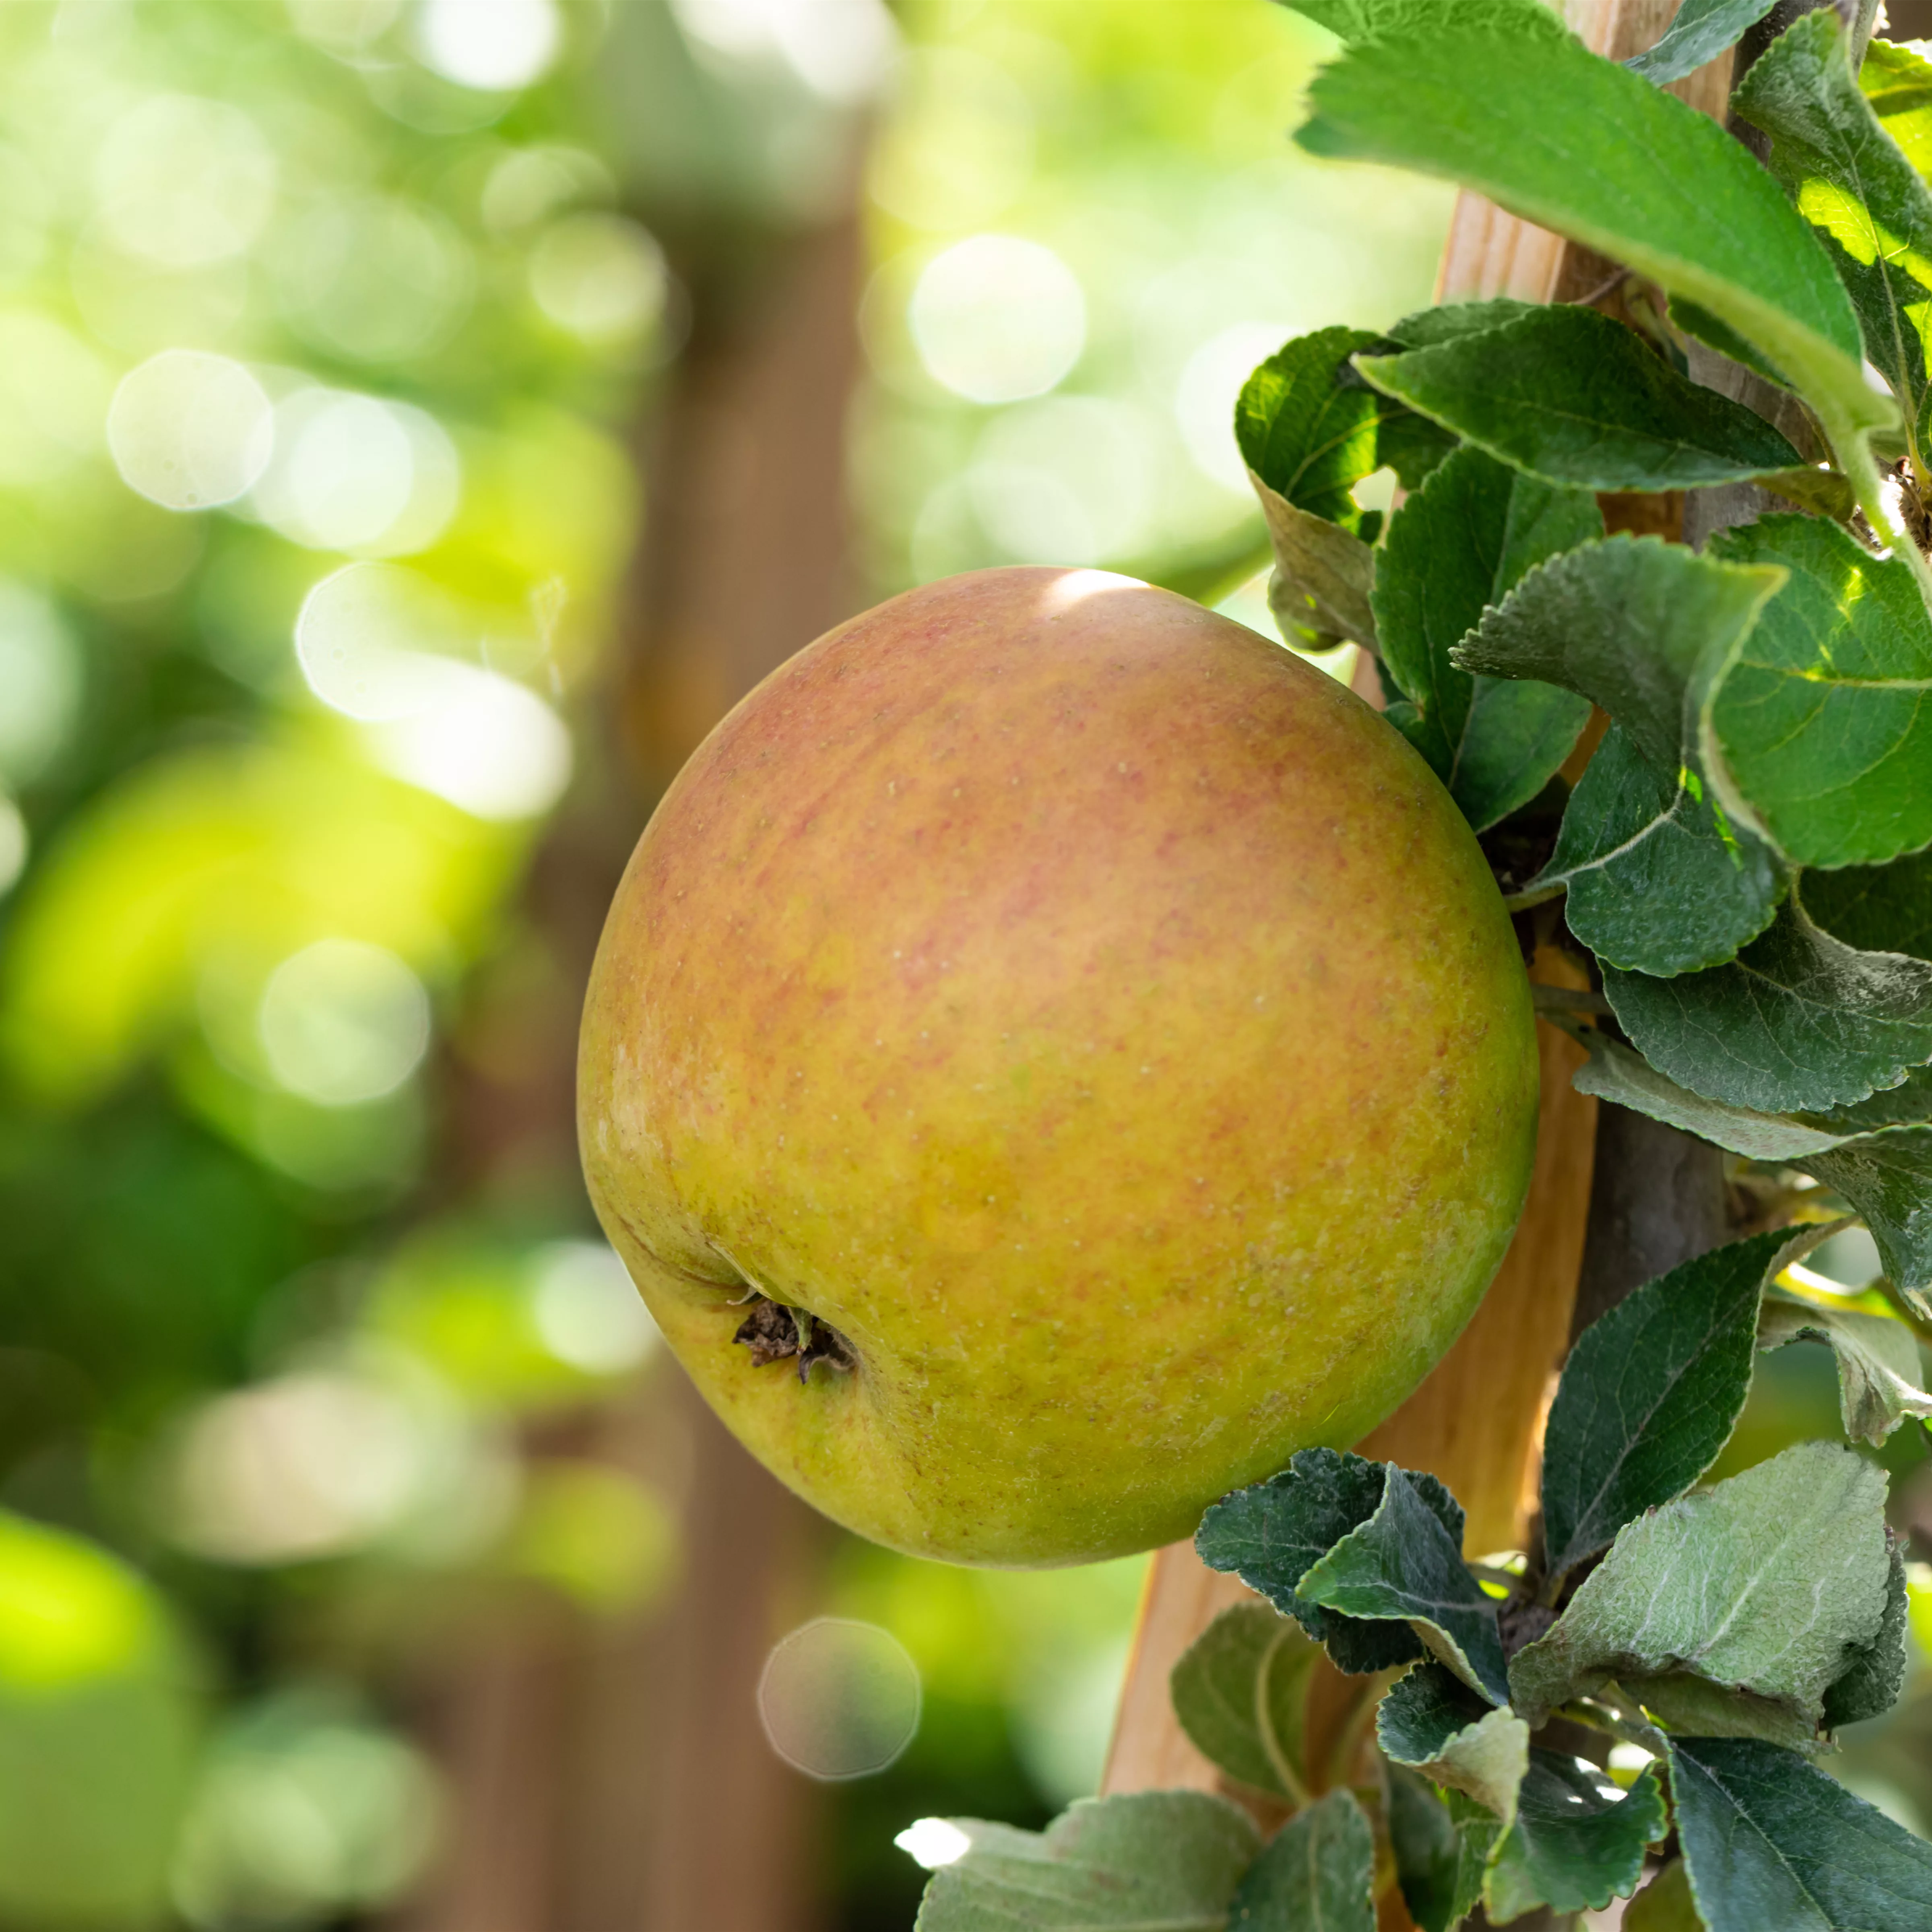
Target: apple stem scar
(776, 1332)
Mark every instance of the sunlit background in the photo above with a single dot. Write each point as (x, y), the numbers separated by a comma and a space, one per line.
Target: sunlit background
(418, 420)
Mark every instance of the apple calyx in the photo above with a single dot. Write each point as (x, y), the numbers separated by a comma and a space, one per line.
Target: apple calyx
(775, 1331)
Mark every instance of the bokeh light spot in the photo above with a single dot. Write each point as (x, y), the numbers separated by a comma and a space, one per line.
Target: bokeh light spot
(997, 319)
(839, 1699)
(1209, 385)
(342, 1021)
(587, 1311)
(68, 1612)
(185, 181)
(189, 431)
(343, 26)
(40, 682)
(358, 473)
(598, 276)
(494, 45)
(295, 1468)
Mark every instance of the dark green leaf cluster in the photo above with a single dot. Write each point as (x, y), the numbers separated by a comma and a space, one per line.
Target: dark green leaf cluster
(1744, 865)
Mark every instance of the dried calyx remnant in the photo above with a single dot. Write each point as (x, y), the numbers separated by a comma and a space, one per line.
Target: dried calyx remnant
(776, 1333)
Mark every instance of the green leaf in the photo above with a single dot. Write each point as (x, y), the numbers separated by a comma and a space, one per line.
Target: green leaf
(1907, 1105)
(1797, 1021)
(1887, 1176)
(1424, 1838)
(1578, 1841)
(1317, 1874)
(1765, 1582)
(1478, 1829)
(1240, 1693)
(1822, 714)
(1876, 908)
(1871, 1685)
(1360, 23)
(1166, 1859)
(1579, 145)
(1897, 81)
(1309, 431)
(1880, 1373)
(1271, 1533)
(1428, 326)
(1576, 398)
(1460, 543)
(1636, 625)
(1770, 1842)
(1701, 31)
(1701, 323)
(1406, 1562)
(1665, 1904)
(1319, 591)
(1651, 1390)
(1849, 180)
(1694, 1707)
(1658, 880)
(1432, 1722)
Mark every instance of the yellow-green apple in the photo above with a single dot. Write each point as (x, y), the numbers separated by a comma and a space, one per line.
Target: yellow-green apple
(1087, 1029)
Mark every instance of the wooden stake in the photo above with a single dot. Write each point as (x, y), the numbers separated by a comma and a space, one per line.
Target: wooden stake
(1477, 1422)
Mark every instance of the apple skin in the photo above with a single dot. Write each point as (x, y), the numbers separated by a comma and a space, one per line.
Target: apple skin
(1101, 1018)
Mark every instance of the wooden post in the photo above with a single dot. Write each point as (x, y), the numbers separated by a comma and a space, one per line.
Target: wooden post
(1476, 1421)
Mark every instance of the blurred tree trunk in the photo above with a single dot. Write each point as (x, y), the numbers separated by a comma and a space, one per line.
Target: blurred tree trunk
(618, 1779)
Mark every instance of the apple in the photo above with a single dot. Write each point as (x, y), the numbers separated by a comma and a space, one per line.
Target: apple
(1053, 1054)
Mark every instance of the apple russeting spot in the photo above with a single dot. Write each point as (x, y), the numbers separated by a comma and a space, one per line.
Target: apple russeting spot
(1054, 1053)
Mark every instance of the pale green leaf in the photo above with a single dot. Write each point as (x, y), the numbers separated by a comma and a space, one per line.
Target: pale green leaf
(1317, 1874)
(1319, 592)
(1478, 1829)
(1577, 399)
(1766, 1583)
(1165, 1859)
(1898, 81)
(1240, 1693)
(1701, 31)
(1770, 1842)
(1880, 1376)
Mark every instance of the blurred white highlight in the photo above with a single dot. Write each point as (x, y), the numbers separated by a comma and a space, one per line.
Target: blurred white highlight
(343, 1022)
(996, 318)
(189, 431)
(492, 44)
(358, 473)
(377, 642)
(599, 276)
(588, 1313)
(934, 1842)
(839, 1699)
(1209, 385)
(839, 48)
